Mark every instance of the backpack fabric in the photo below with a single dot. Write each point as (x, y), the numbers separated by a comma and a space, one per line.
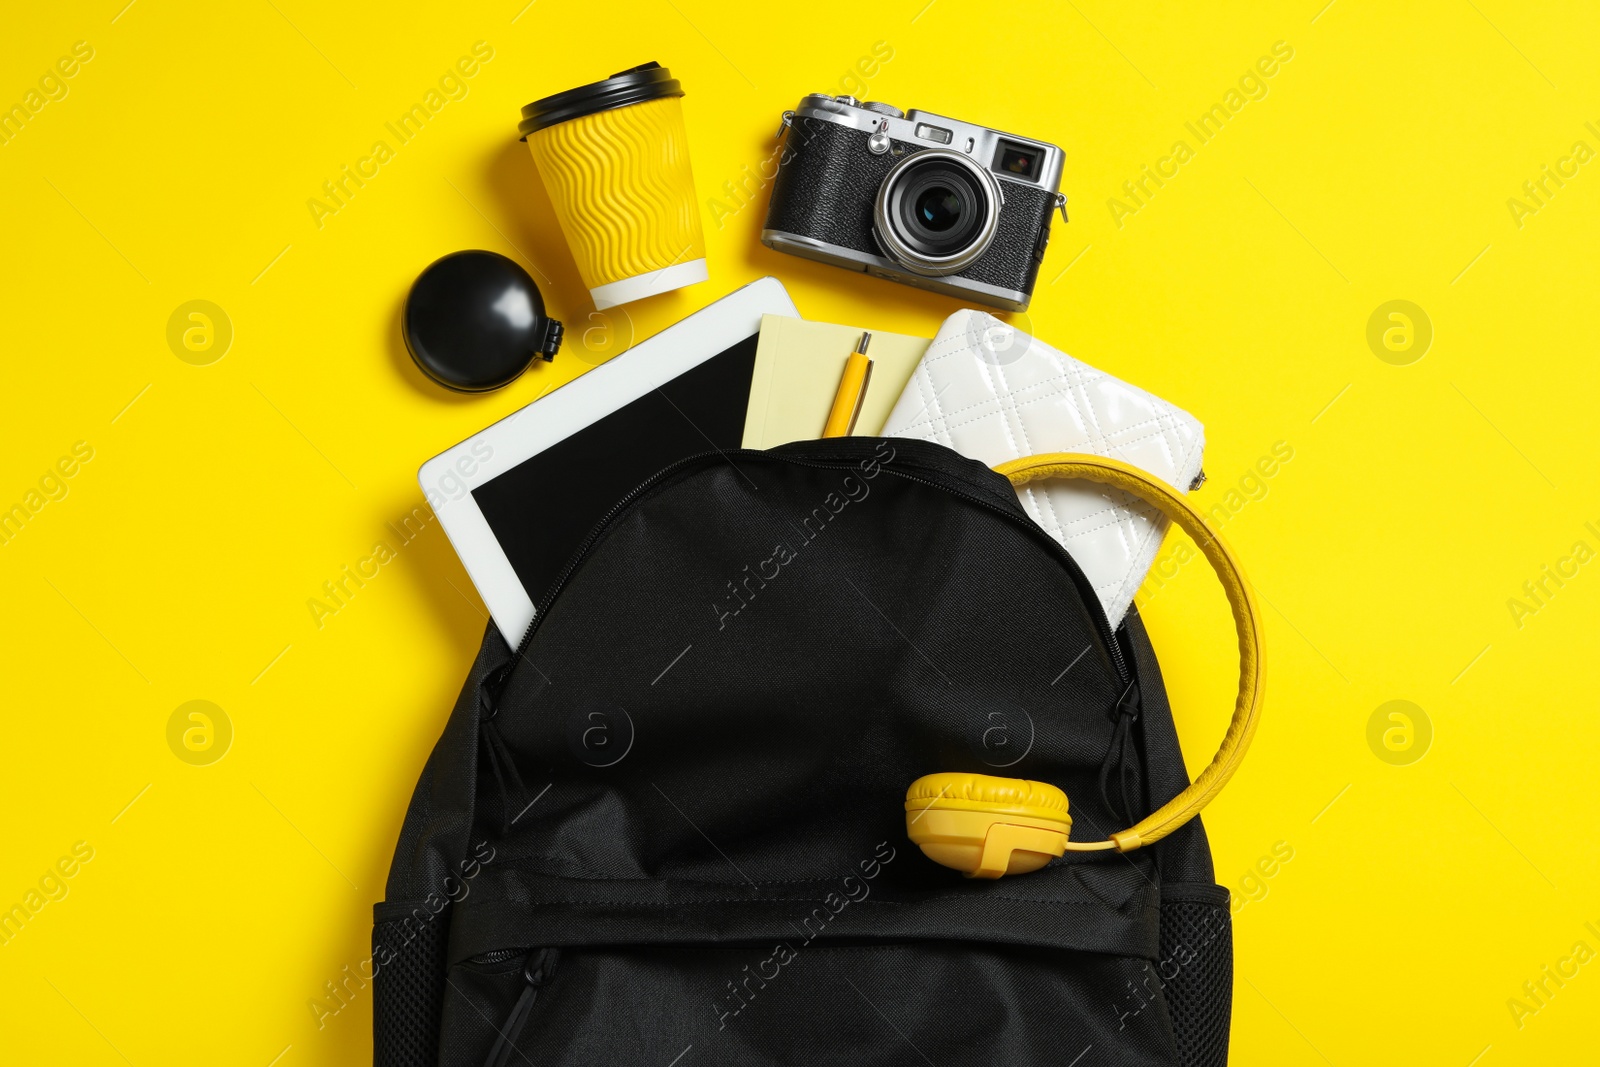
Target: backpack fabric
(669, 829)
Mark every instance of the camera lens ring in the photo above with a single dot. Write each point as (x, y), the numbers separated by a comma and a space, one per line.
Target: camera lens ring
(978, 232)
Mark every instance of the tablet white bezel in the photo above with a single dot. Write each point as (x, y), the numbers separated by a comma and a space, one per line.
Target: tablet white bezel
(447, 480)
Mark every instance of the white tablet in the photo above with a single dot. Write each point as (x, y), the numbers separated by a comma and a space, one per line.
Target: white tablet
(518, 498)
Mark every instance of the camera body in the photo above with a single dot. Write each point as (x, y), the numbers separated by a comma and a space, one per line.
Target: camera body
(914, 197)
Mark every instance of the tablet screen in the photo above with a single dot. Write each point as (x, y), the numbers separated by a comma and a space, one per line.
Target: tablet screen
(543, 508)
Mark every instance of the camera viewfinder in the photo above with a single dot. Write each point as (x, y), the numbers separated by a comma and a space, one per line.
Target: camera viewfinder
(1021, 160)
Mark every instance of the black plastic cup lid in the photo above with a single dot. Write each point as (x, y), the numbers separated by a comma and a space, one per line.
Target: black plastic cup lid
(649, 81)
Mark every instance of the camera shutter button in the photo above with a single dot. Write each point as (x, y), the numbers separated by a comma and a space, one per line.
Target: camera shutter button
(878, 142)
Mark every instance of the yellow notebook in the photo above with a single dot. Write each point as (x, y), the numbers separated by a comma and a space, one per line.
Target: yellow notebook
(798, 365)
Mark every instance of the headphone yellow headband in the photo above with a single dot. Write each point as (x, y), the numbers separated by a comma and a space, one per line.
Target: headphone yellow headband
(1246, 618)
(987, 827)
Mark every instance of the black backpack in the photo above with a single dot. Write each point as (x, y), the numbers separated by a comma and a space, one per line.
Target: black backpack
(669, 829)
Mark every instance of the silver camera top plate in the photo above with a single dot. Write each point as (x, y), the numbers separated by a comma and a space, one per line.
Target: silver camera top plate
(927, 130)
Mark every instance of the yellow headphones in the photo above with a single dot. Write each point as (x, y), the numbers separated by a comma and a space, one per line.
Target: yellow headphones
(986, 826)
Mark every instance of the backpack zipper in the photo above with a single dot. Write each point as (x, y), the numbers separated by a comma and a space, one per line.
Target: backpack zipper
(539, 965)
(1098, 611)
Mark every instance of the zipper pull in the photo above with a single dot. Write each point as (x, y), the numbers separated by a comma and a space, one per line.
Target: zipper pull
(1119, 752)
(1127, 705)
(540, 965)
(489, 691)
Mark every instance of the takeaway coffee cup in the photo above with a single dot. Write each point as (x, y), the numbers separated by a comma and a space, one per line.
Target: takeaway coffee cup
(615, 159)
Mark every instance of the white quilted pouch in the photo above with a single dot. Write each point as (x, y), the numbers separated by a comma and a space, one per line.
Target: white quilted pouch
(993, 393)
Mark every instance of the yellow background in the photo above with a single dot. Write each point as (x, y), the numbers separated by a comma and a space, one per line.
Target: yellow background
(1418, 501)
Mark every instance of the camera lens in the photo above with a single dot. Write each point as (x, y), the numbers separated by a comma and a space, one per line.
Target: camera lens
(940, 208)
(936, 212)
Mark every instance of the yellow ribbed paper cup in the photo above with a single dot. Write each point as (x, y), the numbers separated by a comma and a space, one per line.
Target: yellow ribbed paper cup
(615, 158)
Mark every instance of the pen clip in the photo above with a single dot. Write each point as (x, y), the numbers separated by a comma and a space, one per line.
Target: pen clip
(861, 396)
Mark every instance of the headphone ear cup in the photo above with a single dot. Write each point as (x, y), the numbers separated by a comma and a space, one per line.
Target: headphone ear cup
(984, 845)
(984, 826)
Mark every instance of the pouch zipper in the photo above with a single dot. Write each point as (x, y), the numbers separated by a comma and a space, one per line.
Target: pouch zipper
(540, 962)
(1098, 609)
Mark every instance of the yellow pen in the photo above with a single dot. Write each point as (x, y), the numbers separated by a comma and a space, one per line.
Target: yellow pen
(852, 392)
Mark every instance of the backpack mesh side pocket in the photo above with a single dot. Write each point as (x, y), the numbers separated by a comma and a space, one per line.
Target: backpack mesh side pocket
(1196, 968)
(408, 991)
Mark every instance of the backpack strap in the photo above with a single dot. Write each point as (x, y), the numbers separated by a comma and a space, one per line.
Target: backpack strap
(1246, 617)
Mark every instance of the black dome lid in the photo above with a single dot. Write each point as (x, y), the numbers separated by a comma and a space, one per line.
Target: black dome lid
(474, 321)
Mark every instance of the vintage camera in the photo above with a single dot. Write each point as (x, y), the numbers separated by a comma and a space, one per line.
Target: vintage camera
(917, 198)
